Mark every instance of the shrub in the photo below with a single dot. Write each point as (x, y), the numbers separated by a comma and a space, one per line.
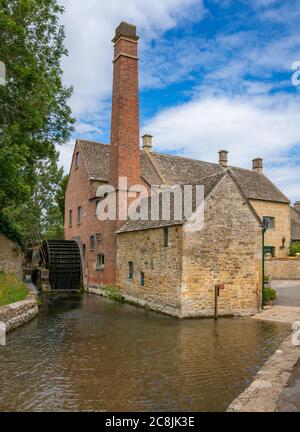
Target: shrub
(270, 294)
(294, 248)
(113, 293)
(267, 278)
(12, 289)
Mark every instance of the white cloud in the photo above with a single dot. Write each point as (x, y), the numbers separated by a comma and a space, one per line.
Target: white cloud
(264, 127)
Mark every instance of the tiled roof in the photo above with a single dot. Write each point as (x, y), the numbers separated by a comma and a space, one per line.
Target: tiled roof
(295, 224)
(180, 170)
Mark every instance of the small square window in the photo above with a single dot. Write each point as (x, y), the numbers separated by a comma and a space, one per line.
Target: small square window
(77, 160)
(100, 262)
(269, 222)
(79, 215)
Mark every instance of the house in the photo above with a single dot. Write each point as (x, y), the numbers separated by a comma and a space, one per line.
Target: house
(295, 223)
(178, 278)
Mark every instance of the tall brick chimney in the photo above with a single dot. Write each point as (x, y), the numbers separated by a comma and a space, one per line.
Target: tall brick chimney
(124, 142)
(257, 165)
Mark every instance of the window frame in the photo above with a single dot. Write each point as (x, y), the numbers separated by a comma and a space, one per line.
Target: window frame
(142, 279)
(100, 266)
(166, 237)
(79, 215)
(70, 218)
(268, 219)
(130, 270)
(92, 243)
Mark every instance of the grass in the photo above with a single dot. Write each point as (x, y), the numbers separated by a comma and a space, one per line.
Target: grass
(12, 289)
(113, 293)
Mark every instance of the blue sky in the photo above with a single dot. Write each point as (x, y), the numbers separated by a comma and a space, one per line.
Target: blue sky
(213, 74)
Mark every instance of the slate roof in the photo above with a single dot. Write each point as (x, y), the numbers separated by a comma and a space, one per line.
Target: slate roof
(295, 224)
(209, 183)
(180, 170)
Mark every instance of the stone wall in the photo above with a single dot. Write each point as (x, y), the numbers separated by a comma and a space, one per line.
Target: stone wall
(283, 268)
(17, 314)
(161, 266)
(11, 257)
(226, 251)
(282, 214)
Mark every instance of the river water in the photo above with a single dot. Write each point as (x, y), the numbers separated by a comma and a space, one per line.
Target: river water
(87, 353)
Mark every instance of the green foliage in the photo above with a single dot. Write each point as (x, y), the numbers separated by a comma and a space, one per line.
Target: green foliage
(113, 293)
(270, 294)
(34, 115)
(10, 230)
(267, 278)
(294, 248)
(12, 289)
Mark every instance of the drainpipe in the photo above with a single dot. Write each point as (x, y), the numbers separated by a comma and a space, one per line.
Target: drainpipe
(264, 229)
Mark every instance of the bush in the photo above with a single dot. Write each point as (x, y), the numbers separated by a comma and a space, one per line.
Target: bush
(113, 293)
(294, 248)
(12, 289)
(270, 294)
(267, 278)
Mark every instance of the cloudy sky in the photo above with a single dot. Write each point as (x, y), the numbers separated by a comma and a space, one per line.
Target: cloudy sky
(214, 74)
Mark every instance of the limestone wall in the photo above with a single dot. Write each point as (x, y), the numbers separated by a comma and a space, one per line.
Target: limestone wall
(283, 268)
(160, 265)
(11, 257)
(282, 214)
(17, 314)
(226, 251)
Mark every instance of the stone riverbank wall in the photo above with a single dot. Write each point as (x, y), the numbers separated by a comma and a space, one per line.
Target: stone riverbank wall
(17, 314)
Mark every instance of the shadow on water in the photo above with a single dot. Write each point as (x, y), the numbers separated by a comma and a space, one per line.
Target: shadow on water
(84, 352)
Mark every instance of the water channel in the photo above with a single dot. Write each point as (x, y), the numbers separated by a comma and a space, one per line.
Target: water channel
(84, 352)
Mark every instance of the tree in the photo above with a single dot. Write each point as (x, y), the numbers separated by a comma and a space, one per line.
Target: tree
(34, 116)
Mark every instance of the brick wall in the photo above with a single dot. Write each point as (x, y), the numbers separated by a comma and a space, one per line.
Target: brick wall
(283, 268)
(11, 257)
(281, 213)
(226, 251)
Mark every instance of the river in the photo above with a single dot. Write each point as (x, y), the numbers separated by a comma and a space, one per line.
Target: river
(87, 353)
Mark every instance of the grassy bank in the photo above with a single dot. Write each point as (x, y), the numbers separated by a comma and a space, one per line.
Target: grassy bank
(12, 289)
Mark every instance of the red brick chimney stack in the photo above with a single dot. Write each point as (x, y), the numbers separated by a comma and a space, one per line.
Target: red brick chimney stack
(125, 137)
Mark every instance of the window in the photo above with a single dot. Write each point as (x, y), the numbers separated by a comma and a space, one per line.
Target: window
(92, 243)
(142, 279)
(270, 250)
(77, 160)
(70, 217)
(79, 215)
(130, 270)
(83, 250)
(166, 237)
(269, 222)
(100, 262)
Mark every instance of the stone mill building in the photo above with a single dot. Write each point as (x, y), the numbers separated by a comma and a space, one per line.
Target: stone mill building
(162, 264)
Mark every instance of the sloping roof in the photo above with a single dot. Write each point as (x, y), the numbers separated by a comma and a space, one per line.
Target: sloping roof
(180, 170)
(295, 224)
(209, 184)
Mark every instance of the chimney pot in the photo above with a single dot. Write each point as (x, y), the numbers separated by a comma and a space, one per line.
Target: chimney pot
(147, 142)
(257, 165)
(223, 158)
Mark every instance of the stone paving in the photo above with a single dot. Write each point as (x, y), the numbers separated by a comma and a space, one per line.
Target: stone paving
(266, 390)
(283, 314)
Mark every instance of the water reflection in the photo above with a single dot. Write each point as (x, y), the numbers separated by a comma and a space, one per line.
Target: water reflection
(87, 353)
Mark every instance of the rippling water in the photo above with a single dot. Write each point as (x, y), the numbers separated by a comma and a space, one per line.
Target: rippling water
(84, 352)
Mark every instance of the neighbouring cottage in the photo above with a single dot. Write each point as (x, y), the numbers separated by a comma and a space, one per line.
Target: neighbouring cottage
(161, 264)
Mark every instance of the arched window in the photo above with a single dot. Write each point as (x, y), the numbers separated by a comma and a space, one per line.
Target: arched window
(130, 270)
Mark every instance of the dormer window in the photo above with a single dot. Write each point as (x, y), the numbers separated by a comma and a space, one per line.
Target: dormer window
(77, 160)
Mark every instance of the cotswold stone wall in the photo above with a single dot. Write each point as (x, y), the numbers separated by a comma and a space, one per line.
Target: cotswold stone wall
(282, 214)
(160, 265)
(17, 314)
(226, 251)
(283, 268)
(11, 257)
